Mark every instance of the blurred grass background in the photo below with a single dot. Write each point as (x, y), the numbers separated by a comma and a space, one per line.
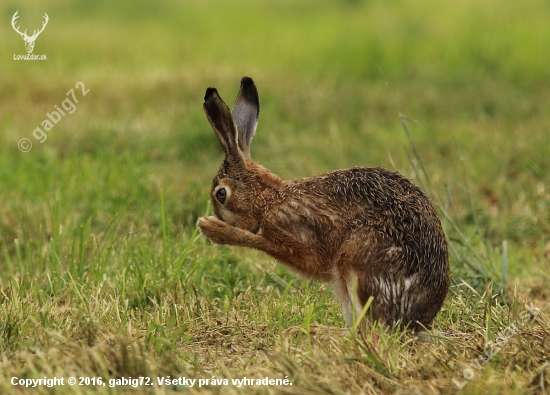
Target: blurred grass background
(473, 78)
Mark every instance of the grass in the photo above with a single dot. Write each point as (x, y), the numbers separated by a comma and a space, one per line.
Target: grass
(102, 272)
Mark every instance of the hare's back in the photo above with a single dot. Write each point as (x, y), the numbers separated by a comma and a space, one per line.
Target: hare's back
(386, 206)
(377, 189)
(366, 200)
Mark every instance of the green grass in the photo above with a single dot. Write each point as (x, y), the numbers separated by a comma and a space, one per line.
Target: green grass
(102, 272)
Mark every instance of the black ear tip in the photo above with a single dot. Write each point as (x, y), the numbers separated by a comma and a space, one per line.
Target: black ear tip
(249, 92)
(209, 93)
(247, 82)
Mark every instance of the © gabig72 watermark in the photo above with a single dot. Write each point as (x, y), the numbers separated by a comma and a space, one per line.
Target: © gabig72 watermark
(492, 348)
(52, 118)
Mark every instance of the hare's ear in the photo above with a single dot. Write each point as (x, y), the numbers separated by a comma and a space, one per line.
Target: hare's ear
(246, 111)
(222, 122)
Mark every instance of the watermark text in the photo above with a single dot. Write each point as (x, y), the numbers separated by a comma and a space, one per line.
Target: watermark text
(68, 106)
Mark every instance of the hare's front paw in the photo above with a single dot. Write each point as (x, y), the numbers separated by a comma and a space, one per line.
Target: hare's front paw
(218, 231)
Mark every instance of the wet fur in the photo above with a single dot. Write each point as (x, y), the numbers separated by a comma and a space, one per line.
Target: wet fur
(368, 231)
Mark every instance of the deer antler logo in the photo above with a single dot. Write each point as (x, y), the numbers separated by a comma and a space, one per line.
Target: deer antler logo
(29, 41)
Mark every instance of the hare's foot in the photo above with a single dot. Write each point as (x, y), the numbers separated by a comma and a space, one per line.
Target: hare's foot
(220, 232)
(429, 335)
(316, 329)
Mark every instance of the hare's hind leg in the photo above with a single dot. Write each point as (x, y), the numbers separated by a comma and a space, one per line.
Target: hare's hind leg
(356, 277)
(345, 289)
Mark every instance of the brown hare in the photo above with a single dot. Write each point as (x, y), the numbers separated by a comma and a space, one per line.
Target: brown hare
(368, 231)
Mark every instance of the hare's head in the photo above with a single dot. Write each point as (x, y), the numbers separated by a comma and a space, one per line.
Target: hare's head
(239, 179)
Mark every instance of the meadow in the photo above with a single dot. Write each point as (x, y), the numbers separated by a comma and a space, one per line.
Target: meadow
(103, 274)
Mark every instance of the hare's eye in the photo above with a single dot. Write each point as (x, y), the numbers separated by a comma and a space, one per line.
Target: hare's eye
(221, 194)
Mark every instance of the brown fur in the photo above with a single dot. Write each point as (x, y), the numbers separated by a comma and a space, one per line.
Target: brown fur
(369, 231)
